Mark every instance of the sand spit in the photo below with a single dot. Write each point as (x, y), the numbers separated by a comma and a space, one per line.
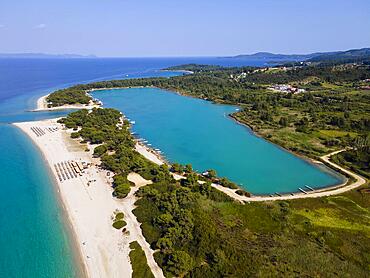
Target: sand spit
(88, 201)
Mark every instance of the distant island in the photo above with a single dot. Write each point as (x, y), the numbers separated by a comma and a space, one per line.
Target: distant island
(44, 56)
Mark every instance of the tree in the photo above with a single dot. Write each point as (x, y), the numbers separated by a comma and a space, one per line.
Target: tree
(75, 135)
(188, 168)
(283, 121)
(211, 173)
(121, 186)
(177, 168)
(121, 191)
(179, 262)
(190, 180)
(100, 150)
(164, 243)
(164, 220)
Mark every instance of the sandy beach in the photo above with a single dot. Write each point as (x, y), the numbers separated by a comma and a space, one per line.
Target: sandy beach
(88, 201)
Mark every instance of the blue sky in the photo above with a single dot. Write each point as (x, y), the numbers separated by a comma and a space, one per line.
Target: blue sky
(132, 28)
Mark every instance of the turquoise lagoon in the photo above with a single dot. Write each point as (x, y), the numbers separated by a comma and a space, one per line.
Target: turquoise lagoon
(34, 236)
(189, 130)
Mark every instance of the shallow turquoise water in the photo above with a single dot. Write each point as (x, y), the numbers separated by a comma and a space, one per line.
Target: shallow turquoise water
(32, 237)
(190, 130)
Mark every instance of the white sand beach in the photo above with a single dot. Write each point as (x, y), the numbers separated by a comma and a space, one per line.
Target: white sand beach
(89, 203)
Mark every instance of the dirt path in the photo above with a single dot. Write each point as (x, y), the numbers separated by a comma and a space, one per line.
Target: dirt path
(310, 194)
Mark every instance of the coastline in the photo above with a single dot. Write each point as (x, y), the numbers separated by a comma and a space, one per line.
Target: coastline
(41, 105)
(321, 192)
(89, 205)
(314, 162)
(332, 168)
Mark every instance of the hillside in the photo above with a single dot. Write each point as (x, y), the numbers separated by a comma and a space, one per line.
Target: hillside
(349, 56)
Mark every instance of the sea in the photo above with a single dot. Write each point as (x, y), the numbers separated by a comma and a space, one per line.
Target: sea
(35, 238)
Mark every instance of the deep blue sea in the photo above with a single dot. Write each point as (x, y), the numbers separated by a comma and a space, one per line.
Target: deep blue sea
(34, 238)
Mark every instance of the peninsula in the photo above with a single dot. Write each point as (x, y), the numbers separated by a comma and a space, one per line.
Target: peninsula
(191, 224)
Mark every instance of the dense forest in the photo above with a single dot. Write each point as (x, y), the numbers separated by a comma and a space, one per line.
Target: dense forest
(198, 231)
(67, 96)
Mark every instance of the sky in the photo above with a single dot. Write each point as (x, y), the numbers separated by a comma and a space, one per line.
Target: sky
(146, 28)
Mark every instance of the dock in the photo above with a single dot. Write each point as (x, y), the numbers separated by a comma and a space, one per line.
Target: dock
(310, 188)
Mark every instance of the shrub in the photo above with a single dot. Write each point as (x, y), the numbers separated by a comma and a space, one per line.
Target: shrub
(140, 268)
(120, 216)
(119, 224)
(75, 135)
(121, 191)
(100, 150)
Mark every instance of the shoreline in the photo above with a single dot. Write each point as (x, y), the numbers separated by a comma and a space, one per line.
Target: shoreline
(313, 162)
(68, 221)
(332, 169)
(316, 193)
(41, 105)
(88, 204)
(76, 254)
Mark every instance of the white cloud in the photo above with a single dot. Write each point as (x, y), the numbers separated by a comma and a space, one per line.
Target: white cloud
(40, 26)
(2, 26)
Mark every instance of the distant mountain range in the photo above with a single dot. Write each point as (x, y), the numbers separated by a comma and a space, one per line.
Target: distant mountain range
(271, 56)
(349, 56)
(45, 56)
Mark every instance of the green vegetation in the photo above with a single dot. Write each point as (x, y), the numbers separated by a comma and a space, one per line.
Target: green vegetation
(119, 216)
(199, 234)
(358, 158)
(349, 56)
(68, 96)
(140, 268)
(329, 115)
(118, 222)
(117, 153)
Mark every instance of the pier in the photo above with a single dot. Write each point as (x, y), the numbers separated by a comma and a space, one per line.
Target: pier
(310, 188)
